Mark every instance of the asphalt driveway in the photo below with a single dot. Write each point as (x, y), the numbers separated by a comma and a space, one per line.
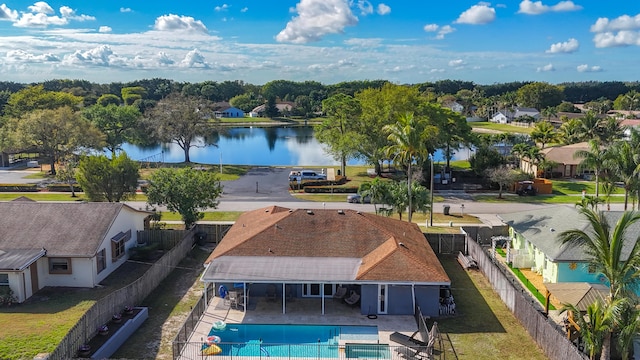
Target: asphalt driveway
(259, 184)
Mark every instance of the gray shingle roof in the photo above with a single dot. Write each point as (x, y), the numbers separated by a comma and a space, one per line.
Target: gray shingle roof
(63, 229)
(541, 228)
(18, 260)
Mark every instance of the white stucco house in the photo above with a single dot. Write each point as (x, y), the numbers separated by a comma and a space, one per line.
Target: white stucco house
(63, 244)
(507, 116)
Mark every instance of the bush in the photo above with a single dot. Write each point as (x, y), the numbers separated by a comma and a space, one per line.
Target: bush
(330, 190)
(18, 188)
(63, 188)
(6, 296)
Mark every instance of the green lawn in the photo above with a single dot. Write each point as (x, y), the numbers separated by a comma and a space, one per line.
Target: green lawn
(544, 199)
(500, 127)
(38, 325)
(484, 328)
(567, 187)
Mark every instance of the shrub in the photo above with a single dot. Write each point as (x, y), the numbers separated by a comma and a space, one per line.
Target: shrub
(330, 190)
(63, 188)
(18, 188)
(6, 296)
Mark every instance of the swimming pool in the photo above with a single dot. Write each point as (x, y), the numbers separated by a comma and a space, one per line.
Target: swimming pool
(290, 340)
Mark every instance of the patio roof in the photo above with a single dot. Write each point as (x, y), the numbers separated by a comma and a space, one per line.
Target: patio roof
(281, 269)
(581, 294)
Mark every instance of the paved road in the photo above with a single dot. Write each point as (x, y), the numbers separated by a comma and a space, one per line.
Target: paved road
(269, 184)
(17, 177)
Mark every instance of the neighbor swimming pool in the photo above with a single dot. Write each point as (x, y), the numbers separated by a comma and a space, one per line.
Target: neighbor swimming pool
(290, 340)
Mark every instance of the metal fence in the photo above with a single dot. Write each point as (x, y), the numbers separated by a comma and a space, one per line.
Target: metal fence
(547, 334)
(100, 313)
(229, 351)
(191, 321)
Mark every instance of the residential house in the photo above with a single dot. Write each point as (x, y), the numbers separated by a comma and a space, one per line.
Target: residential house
(63, 244)
(507, 116)
(284, 107)
(313, 253)
(567, 164)
(229, 112)
(454, 106)
(535, 244)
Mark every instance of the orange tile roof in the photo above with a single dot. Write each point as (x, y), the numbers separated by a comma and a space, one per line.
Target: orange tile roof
(390, 249)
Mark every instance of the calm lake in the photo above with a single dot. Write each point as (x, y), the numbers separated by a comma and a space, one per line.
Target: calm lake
(287, 146)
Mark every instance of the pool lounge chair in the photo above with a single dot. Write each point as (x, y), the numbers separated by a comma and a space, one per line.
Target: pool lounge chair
(413, 348)
(353, 298)
(340, 293)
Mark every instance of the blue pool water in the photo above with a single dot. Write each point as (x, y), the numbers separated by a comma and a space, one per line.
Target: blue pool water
(289, 340)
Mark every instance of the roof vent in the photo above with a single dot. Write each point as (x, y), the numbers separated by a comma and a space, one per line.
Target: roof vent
(552, 229)
(290, 210)
(266, 210)
(341, 212)
(358, 212)
(403, 245)
(310, 212)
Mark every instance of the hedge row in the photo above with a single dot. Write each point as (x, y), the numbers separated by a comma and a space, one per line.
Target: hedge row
(18, 188)
(330, 190)
(63, 188)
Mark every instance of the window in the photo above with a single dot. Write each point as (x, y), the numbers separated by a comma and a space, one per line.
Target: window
(4, 279)
(117, 245)
(101, 260)
(59, 265)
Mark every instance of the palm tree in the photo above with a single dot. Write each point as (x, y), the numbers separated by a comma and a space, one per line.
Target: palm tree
(603, 247)
(622, 161)
(410, 137)
(377, 190)
(629, 324)
(544, 132)
(593, 325)
(592, 159)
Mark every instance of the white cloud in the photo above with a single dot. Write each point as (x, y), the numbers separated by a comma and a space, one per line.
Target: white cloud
(244, 9)
(383, 9)
(546, 68)
(125, 10)
(164, 59)
(69, 13)
(41, 7)
(569, 46)
(105, 29)
(621, 38)
(21, 56)
(367, 43)
(587, 68)
(222, 7)
(39, 20)
(624, 22)
(317, 18)
(431, 27)
(194, 59)
(7, 14)
(479, 14)
(442, 31)
(365, 7)
(98, 56)
(173, 22)
(536, 7)
(456, 63)
(447, 29)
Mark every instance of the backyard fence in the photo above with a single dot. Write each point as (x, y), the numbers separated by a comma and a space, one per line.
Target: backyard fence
(214, 232)
(548, 335)
(191, 321)
(166, 239)
(102, 311)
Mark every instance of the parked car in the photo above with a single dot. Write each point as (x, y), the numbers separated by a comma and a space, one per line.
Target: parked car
(306, 175)
(357, 199)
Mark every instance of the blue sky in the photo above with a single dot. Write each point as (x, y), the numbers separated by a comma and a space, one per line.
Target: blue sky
(323, 40)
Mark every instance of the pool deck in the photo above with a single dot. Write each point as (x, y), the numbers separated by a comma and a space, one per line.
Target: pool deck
(298, 311)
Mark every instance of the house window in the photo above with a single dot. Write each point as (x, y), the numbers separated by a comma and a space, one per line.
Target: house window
(59, 265)
(101, 260)
(4, 279)
(118, 245)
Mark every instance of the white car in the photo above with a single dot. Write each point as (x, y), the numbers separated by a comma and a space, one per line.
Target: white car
(357, 199)
(306, 175)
